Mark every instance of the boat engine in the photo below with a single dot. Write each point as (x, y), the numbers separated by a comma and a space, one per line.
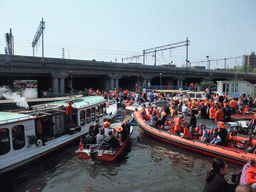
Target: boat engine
(250, 149)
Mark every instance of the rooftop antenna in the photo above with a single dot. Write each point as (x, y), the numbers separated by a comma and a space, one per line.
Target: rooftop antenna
(9, 43)
(39, 32)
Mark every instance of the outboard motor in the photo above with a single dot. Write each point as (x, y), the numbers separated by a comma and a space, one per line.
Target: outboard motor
(250, 149)
(93, 153)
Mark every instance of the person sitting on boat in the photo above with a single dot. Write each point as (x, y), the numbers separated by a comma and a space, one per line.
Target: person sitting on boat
(127, 122)
(160, 122)
(147, 104)
(90, 138)
(106, 125)
(153, 119)
(110, 141)
(150, 111)
(96, 127)
(246, 109)
(215, 180)
(143, 112)
(121, 134)
(184, 109)
(205, 136)
(177, 124)
(250, 175)
(186, 133)
(192, 122)
(69, 109)
(220, 137)
(100, 136)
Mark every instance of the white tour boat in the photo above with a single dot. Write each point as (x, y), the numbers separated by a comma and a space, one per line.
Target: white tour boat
(20, 141)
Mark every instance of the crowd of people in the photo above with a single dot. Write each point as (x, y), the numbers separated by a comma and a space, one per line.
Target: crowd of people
(217, 108)
(106, 137)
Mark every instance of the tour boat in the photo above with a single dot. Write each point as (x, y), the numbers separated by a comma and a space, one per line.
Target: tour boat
(92, 151)
(239, 149)
(20, 141)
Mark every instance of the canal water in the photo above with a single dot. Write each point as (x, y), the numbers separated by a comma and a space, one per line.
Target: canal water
(148, 165)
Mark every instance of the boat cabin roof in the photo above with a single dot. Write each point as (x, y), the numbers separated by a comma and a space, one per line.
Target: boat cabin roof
(80, 102)
(7, 117)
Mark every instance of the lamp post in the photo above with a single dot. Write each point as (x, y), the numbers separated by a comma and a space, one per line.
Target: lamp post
(71, 83)
(208, 61)
(160, 80)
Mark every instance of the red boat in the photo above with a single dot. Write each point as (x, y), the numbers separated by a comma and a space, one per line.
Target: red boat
(238, 149)
(93, 152)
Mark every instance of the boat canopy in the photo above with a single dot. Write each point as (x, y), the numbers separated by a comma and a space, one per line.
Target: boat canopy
(7, 117)
(80, 102)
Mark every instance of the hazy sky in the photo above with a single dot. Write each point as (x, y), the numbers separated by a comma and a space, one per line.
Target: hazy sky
(109, 29)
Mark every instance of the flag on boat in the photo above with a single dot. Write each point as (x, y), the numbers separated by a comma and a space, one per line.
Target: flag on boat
(81, 146)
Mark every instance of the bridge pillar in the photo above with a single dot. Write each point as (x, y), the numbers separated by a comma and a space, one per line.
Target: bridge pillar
(58, 82)
(180, 80)
(147, 80)
(114, 81)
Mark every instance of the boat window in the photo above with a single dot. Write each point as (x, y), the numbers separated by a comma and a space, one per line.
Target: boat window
(4, 141)
(97, 112)
(101, 110)
(224, 88)
(232, 87)
(82, 118)
(18, 137)
(104, 109)
(88, 116)
(93, 113)
(236, 87)
(199, 96)
(191, 95)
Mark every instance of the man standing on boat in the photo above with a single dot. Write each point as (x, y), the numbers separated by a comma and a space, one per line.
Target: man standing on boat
(69, 109)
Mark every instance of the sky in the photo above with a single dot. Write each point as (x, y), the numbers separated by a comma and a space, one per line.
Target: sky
(109, 30)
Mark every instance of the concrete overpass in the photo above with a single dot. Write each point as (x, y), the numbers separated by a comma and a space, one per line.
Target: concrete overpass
(59, 74)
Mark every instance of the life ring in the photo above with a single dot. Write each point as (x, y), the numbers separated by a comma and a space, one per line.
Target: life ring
(39, 143)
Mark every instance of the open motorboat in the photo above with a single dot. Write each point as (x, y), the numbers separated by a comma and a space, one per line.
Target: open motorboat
(95, 152)
(239, 149)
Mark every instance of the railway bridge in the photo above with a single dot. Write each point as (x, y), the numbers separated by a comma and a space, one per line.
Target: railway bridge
(63, 75)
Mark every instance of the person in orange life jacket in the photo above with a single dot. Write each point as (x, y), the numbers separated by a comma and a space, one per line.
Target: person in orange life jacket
(150, 110)
(219, 115)
(106, 125)
(121, 134)
(69, 109)
(220, 137)
(187, 134)
(177, 124)
(250, 175)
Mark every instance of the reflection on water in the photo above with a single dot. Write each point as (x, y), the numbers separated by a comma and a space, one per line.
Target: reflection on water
(148, 165)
